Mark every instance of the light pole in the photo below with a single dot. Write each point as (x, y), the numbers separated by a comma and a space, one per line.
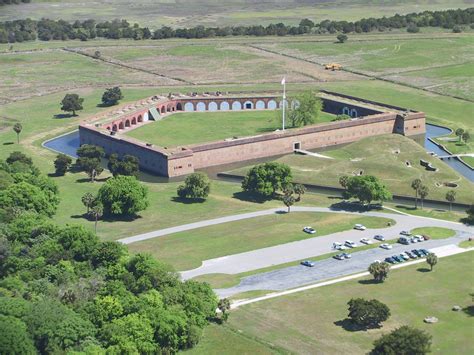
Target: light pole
(283, 82)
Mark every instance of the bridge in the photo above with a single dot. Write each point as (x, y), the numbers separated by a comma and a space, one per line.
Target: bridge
(456, 155)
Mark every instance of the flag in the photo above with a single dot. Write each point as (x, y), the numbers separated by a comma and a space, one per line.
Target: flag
(283, 81)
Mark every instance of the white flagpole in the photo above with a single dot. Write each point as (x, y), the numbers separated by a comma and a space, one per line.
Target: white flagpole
(284, 101)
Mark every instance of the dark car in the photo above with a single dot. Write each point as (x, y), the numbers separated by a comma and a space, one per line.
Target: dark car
(308, 263)
(417, 253)
(339, 257)
(380, 237)
(424, 251)
(390, 260)
(397, 258)
(411, 255)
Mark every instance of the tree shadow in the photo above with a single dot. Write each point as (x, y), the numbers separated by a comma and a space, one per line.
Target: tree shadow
(469, 310)
(353, 207)
(127, 218)
(250, 197)
(64, 115)
(349, 325)
(187, 201)
(423, 269)
(105, 105)
(411, 208)
(80, 216)
(82, 180)
(8, 143)
(369, 282)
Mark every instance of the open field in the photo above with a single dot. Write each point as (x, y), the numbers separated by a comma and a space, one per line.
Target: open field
(434, 232)
(185, 13)
(376, 156)
(199, 127)
(309, 321)
(187, 250)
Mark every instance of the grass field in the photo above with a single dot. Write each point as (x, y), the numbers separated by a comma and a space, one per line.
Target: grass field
(375, 156)
(434, 232)
(308, 321)
(199, 127)
(186, 250)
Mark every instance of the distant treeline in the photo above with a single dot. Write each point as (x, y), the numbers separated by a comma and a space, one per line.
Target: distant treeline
(45, 30)
(8, 2)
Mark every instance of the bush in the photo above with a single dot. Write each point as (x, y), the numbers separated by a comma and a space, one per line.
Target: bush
(368, 313)
(196, 185)
(403, 341)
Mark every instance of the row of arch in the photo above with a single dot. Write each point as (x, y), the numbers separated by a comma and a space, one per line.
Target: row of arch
(125, 123)
(350, 112)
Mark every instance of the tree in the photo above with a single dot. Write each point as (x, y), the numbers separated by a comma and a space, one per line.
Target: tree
(224, 307)
(17, 128)
(341, 38)
(123, 196)
(368, 313)
(305, 109)
(343, 181)
(300, 190)
(459, 132)
(128, 166)
(451, 197)
(88, 200)
(196, 186)
(28, 197)
(379, 271)
(62, 164)
(90, 158)
(19, 157)
(72, 103)
(457, 29)
(15, 339)
(432, 260)
(415, 185)
(403, 341)
(466, 136)
(112, 96)
(413, 28)
(423, 191)
(367, 188)
(96, 212)
(289, 200)
(267, 178)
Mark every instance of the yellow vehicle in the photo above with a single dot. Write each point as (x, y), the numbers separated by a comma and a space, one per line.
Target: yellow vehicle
(333, 66)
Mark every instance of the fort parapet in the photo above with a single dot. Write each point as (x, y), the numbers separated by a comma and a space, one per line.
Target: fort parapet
(368, 118)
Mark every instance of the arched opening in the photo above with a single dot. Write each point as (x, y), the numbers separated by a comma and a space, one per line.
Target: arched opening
(248, 105)
(236, 106)
(285, 102)
(114, 128)
(134, 121)
(188, 107)
(212, 106)
(260, 105)
(346, 111)
(168, 109)
(121, 125)
(224, 106)
(179, 106)
(200, 107)
(163, 109)
(140, 118)
(354, 113)
(272, 105)
(127, 123)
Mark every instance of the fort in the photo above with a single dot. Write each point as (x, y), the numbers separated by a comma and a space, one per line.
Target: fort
(368, 118)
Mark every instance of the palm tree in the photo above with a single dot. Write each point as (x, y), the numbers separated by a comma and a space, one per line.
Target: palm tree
(379, 270)
(432, 260)
(343, 180)
(451, 197)
(224, 307)
(299, 189)
(88, 200)
(18, 128)
(288, 200)
(97, 211)
(423, 191)
(415, 185)
(459, 132)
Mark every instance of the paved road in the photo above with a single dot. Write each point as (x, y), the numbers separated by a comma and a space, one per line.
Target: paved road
(296, 276)
(280, 254)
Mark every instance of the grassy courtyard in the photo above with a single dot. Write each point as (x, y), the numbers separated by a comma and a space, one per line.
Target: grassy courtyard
(199, 127)
(308, 322)
(186, 250)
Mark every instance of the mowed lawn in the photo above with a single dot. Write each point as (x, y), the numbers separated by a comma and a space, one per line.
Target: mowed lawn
(376, 156)
(307, 322)
(186, 250)
(198, 127)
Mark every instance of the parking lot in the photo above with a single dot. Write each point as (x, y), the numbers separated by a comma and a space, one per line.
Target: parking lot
(296, 276)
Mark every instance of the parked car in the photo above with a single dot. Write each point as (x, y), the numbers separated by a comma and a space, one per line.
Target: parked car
(350, 244)
(309, 230)
(424, 251)
(347, 256)
(386, 246)
(379, 237)
(417, 253)
(404, 256)
(308, 263)
(404, 240)
(339, 257)
(338, 246)
(405, 233)
(419, 238)
(360, 227)
(390, 260)
(366, 241)
(414, 240)
(411, 255)
(397, 258)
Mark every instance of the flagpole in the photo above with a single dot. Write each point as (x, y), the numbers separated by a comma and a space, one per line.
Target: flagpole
(284, 103)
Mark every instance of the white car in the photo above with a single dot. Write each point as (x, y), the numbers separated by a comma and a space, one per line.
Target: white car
(419, 237)
(360, 227)
(386, 246)
(350, 244)
(338, 246)
(309, 230)
(366, 241)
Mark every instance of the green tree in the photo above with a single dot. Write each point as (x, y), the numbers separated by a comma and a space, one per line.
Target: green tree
(466, 137)
(289, 200)
(423, 191)
(97, 212)
(300, 190)
(343, 181)
(14, 339)
(88, 200)
(432, 260)
(62, 164)
(451, 197)
(90, 157)
(367, 188)
(112, 96)
(123, 196)
(459, 132)
(415, 185)
(19, 157)
(265, 179)
(107, 254)
(18, 128)
(368, 313)
(72, 103)
(29, 198)
(224, 307)
(403, 341)
(379, 270)
(341, 38)
(128, 166)
(196, 186)
(305, 109)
